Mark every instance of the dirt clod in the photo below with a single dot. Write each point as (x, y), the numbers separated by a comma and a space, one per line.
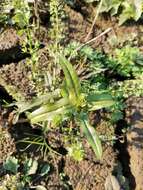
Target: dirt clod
(134, 114)
(16, 76)
(9, 47)
(91, 175)
(7, 145)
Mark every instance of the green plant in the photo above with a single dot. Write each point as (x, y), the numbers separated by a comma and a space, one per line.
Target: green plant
(71, 100)
(127, 62)
(127, 9)
(31, 45)
(11, 182)
(94, 67)
(21, 15)
(74, 146)
(11, 164)
(56, 19)
(68, 102)
(23, 180)
(127, 88)
(40, 142)
(76, 151)
(5, 11)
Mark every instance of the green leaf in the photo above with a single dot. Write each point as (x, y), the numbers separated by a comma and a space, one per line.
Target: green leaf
(75, 150)
(101, 104)
(99, 101)
(30, 166)
(91, 135)
(111, 5)
(72, 80)
(11, 164)
(40, 187)
(132, 10)
(50, 115)
(20, 19)
(50, 107)
(45, 169)
(90, 1)
(98, 97)
(138, 8)
(24, 106)
(45, 109)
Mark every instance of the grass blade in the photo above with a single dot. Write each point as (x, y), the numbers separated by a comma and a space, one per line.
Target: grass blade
(91, 136)
(99, 101)
(45, 109)
(50, 115)
(24, 106)
(101, 104)
(72, 80)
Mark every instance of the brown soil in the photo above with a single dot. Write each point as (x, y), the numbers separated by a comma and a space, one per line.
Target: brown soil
(134, 114)
(7, 144)
(8, 40)
(79, 26)
(9, 47)
(14, 77)
(91, 174)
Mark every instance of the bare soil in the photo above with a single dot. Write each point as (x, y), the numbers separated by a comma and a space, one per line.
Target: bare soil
(134, 115)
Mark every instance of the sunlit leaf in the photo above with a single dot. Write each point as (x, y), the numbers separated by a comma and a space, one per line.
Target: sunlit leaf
(99, 101)
(101, 104)
(11, 164)
(45, 109)
(50, 115)
(131, 10)
(72, 80)
(40, 187)
(45, 169)
(91, 135)
(44, 99)
(30, 166)
(111, 5)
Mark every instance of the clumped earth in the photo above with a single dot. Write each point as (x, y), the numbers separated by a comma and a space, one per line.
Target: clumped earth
(17, 75)
(10, 50)
(134, 138)
(7, 144)
(91, 174)
(67, 173)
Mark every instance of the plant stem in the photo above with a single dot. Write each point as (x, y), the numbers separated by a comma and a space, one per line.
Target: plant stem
(94, 21)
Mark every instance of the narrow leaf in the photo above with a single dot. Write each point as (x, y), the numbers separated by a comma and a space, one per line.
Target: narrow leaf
(50, 115)
(98, 96)
(49, 108)
(99, 101)
(101, 104)
(40, 187)
(24, 106)
(91, 136)
(72, 80)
